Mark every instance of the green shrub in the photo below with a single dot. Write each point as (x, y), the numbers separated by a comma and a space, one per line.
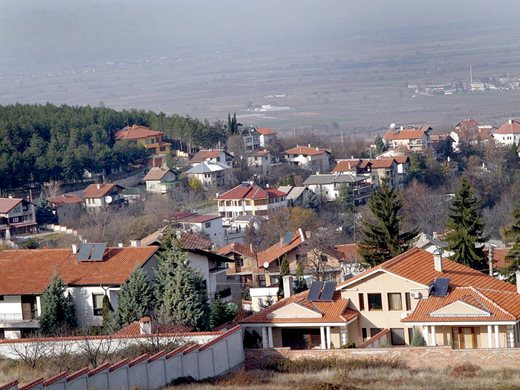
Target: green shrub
(418, 339)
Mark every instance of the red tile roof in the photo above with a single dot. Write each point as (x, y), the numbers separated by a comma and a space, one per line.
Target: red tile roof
(402, 159)
(499, 258)
(6, 204)
(236, 247)
(383, 163)
(265, 131)
(279, 249)
(65, 199)
(136, 132)
(510, 127)
(306, 150)
(467, 124)
(250, 191)
(198, 218)
(189, 241)
(259, 153)
(29, 271)
(156, 173)
(92, 190)
(203, 155)
(348, 252)
(332, 311)
(406, 133)
(134, 329)
(350, 165)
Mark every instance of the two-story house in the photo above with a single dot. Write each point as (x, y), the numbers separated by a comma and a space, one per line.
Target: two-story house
(328, 185)
(152, 140)
(260, 159)
(314, 158)
(471, 132)
(208, 225)
(210, 173)
(386, 169)
(161, 180)
(249, 199)
(17, 216)
(216, 155)
(266, 137)
(508, 133)
(90, 271)
(250, 137)
(448, 303)
(97, 196)
(66, 208)
(413, 138)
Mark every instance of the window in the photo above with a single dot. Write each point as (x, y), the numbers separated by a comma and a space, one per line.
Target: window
(1, 297)
(361, 301)
(397, 336)
(208, 224)
(97, 300)
(375, 302)
(364, 333)
(323, 258)
(394, 301)
(408, 301)
(374, 331)
(410, 335)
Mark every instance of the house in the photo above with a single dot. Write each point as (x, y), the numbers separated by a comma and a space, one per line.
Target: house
(260, 159)
(448, 303)
(412, 138)
(387, 169)
(354, 166)
(403, 168)
(210, 173)
(208, 225)
(97, 196)
(508, 133)
(295, 194)
(161, 180)
(250, 137)
(470, 131)
(152, 140)
(66, 208)
(215, 155)
(328, 185)
(90, 271)
(266, 137)
(249, 199)
(211, 265)
(244, 263)
(314, 158)
(17, 216)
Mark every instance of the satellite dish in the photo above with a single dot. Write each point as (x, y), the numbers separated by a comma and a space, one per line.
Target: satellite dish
(392, 125)
(108, 199)
(266, 265)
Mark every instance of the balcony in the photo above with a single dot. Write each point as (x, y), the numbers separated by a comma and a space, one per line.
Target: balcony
(16, 320)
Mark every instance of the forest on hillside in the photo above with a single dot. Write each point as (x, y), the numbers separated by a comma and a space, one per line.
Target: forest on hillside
(39, 143)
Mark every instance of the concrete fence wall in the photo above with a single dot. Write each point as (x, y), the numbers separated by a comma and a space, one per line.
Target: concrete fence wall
(63, 229)
(216, 357)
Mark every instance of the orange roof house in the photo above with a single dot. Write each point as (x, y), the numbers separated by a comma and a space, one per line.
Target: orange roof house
(414, 138)
(150, 139)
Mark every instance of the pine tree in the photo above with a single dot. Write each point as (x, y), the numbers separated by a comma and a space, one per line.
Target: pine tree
(58, 312)
(514, 254)
(106, 311)
(465, 228)
(310, 201)
(135, 299)
(345, 198)
(284, 271)
(299, 282)
(380, 145)
(384, 238)
(221, 313)
(180, 291)
(417, 168)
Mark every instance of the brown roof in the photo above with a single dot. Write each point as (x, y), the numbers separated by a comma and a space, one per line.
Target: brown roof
(383, 163)
(250, 191)
(189, 241)
(236, 247)
(499, 258)
(29, 271)
(136, 132)
(417, 265)
(331, 311)
(510, 127)
(203, 155)
(198, 218)
(6, 204)
(259, 153)
(134, 329)
(92, 190)
(65, 199)
(306, 150)
(279, 249)
(265, 131)
(401, 159)
(156, 173)
(406, 133)
(348, 252)
(467, 124)
(350, 165)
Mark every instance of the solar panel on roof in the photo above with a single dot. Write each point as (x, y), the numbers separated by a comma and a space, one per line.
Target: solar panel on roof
(98, 252)
(84, 251)
(440, 287)
(328, 291)
(288, 238)
(315, 291)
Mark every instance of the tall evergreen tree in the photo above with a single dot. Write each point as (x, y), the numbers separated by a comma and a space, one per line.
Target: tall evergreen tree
(58, 312)
(222, 312)
(465, 228)
(310, 201)
(380, 144)
(384, 238)
(514, 254)
(299, 282)
(180, 291)
(284, 271)
(135, 299)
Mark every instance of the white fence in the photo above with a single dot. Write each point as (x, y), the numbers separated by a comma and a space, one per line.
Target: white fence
(216, 357)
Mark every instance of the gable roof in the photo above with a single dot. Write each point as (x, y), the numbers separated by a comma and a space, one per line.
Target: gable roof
(412, 132)
(157, 173)
(350, 165)
(279, 249)
(265, 131)
(417, 265)
(29, 271)
(383, 163)
(330, 178)
(512, 126)
(136, 132)
(207, 167)
(7, 204)
(401, 159)
(203, 155)
(92, 190)
(198, 218)
(250, 191)
(236, 247)
(259, 153)
(335, 311)
(306, 150)
(348, 252)
(191, 241)
(65, 199)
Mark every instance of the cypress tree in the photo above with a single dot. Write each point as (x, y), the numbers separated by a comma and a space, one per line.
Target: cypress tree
(514, 254)
(384, 239)
(106, 311)
(58, 312)
(465, 228)
(310, 201)
(135, 299)
(180, 291)
(221, 313)
(284, 271)
(299, 283)
(380, 145)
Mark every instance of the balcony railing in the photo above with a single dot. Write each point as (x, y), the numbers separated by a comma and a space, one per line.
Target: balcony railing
(9, 317)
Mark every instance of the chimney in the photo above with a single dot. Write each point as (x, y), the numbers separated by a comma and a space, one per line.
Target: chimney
(517, 274)
(135, 243)
(510, 121)
(120, 245)
(251, 247)
(301, 234)
(98, 186)
(10, 196)
(309, 145)
(434, 235)
(317, 149)
(437, 260)
(490, 259)
(287, 286)
(145, 325)
(74, 249)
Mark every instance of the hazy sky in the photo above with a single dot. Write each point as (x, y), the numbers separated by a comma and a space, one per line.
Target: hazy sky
(32, 29)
